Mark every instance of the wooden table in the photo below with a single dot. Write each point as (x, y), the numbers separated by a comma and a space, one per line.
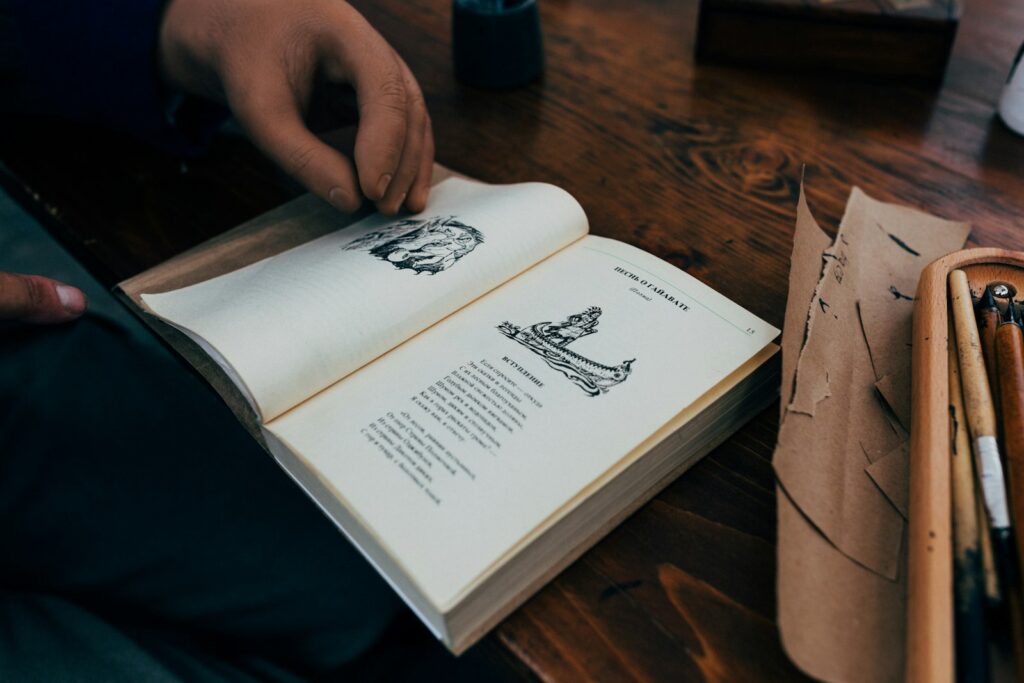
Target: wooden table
(700, 165)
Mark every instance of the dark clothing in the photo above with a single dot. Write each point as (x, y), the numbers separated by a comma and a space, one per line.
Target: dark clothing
(143, 533)
(140, 526)
(95, 62)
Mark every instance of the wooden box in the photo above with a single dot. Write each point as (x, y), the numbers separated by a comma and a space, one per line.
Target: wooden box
(907, 40)
(930, 591)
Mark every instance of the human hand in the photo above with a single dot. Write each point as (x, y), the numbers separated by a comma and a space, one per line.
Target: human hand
(37, 299)
(263, 57)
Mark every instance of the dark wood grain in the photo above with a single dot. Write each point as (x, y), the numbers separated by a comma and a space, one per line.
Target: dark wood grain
(700, 165)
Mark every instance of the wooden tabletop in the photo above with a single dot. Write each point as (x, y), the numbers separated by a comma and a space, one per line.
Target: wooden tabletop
(699, 165)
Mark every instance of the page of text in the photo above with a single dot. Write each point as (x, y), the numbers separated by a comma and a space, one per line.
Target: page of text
(459, 443)
(293, 324)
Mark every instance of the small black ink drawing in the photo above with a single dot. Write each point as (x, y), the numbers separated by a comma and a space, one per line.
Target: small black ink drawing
(423, 245)
(549, 341)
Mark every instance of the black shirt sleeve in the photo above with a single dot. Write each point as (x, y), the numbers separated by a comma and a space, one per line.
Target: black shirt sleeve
(95, 61)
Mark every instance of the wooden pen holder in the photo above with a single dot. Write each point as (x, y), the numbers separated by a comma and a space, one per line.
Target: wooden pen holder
(930, 644)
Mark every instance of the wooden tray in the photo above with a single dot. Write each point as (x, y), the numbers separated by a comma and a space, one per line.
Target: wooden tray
(930, 645)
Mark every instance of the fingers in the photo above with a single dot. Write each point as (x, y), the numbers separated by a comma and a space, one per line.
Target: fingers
(356, 53)
(394, 126)
(406, 181)
(417, 200)
(412, 151)
(270, 113)
(37, 299)
(268, 91)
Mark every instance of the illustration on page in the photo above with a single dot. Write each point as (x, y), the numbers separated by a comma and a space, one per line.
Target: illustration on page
(549, 341)
(422, 245)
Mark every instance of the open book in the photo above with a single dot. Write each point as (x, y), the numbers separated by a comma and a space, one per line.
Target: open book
(474, 394)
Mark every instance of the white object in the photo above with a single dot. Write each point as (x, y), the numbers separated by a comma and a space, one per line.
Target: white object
(992, 482)
(1011, 104)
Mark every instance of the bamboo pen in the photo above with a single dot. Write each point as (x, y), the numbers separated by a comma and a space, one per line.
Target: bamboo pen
(981, 418)
(969, 627)
(993, 591)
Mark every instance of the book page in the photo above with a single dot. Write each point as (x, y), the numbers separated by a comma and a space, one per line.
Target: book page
(459, 443)
(289, 326)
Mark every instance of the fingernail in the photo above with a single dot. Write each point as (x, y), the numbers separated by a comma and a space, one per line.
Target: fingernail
(339, 199)
(71, 299)
(382, 186)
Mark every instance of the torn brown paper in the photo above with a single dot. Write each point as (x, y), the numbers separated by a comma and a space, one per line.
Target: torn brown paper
(809, 243)
(892, 475)
(882, 443)
(839, 619)
(894, 389)
(886, 317)
(834, 419)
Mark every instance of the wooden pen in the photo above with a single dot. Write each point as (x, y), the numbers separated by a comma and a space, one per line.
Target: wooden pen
(993, 591)
(988, 320)
(969, 627)
(981, 418)
(1009, 349)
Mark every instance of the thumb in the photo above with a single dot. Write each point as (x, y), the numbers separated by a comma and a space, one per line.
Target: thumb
(37, 299)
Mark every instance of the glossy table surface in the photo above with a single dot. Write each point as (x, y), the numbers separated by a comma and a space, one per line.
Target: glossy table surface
(698, 164)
